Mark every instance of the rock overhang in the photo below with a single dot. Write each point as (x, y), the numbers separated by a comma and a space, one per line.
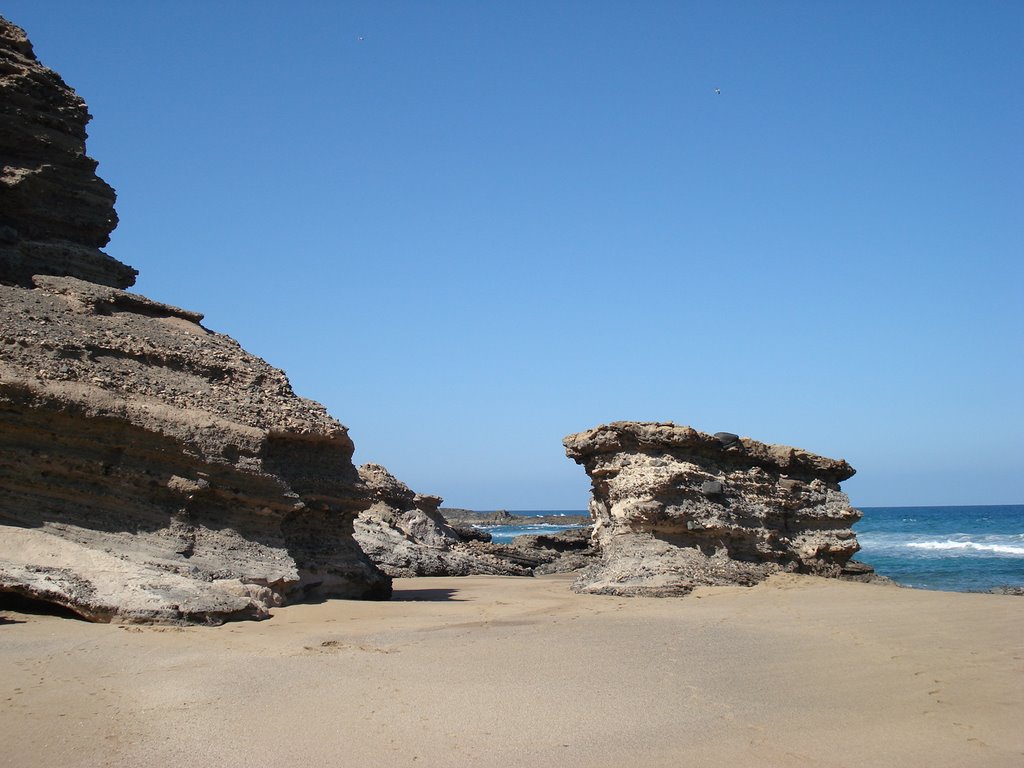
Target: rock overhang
(651, 437)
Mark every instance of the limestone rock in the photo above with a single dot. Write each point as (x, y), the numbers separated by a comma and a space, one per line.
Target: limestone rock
(128, 430)
(674, 508)
(469, 532)
(55, 212)
(561, 552)
(405, 535)
(565, 551)
(150, 469)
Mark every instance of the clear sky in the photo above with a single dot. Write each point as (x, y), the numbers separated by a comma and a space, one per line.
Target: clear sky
(471, 228)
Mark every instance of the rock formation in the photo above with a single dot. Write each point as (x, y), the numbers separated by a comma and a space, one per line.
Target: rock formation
(561, 552)
(405, 535)
(675, 508)
(150, 469)
(55, 212)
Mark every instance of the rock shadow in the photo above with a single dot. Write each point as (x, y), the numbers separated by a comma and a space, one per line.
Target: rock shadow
(18, 603)
(425, 595)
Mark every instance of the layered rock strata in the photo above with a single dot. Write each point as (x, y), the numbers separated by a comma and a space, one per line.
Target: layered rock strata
(55, 212)
(674, 508)
(150, 469)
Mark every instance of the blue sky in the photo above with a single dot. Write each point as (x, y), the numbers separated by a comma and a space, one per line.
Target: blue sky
(472, 228)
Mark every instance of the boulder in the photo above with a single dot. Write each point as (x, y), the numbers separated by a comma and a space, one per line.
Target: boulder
(675, 508)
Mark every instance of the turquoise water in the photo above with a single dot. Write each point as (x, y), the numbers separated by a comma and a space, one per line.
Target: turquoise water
(957, 549)
(503, 534)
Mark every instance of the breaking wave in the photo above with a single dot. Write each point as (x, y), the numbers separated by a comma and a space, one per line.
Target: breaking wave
(950, 545)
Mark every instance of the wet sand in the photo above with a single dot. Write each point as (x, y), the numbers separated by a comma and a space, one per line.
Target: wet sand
(497, 671)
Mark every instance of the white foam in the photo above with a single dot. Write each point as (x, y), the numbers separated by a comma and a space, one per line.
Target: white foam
(949, 545)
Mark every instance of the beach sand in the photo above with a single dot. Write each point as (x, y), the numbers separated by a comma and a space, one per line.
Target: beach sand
(497, 671)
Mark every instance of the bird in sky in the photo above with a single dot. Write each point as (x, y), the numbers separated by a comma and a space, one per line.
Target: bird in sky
(718, 91)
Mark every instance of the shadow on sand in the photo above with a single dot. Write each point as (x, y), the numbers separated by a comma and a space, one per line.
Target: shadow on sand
(401, 595)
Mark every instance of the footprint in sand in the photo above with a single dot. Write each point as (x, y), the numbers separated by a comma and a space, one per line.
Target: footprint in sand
(329, 646)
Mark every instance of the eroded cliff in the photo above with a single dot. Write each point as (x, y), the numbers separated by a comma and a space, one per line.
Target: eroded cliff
(150, 469)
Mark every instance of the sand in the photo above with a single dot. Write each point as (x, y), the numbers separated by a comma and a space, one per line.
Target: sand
(497, 671)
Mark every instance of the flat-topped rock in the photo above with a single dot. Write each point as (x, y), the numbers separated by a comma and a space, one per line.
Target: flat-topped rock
(675, 508)
(638, 437)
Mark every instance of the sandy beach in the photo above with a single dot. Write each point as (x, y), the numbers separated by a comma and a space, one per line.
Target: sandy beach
(483, 671)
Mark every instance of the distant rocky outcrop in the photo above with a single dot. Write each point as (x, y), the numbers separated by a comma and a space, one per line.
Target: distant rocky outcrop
(675, 508)
(405, 535)
(456, 516)
(562, 552)
(150, 469)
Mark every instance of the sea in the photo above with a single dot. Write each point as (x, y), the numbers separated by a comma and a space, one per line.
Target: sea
(957, 549)
(503, 534)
